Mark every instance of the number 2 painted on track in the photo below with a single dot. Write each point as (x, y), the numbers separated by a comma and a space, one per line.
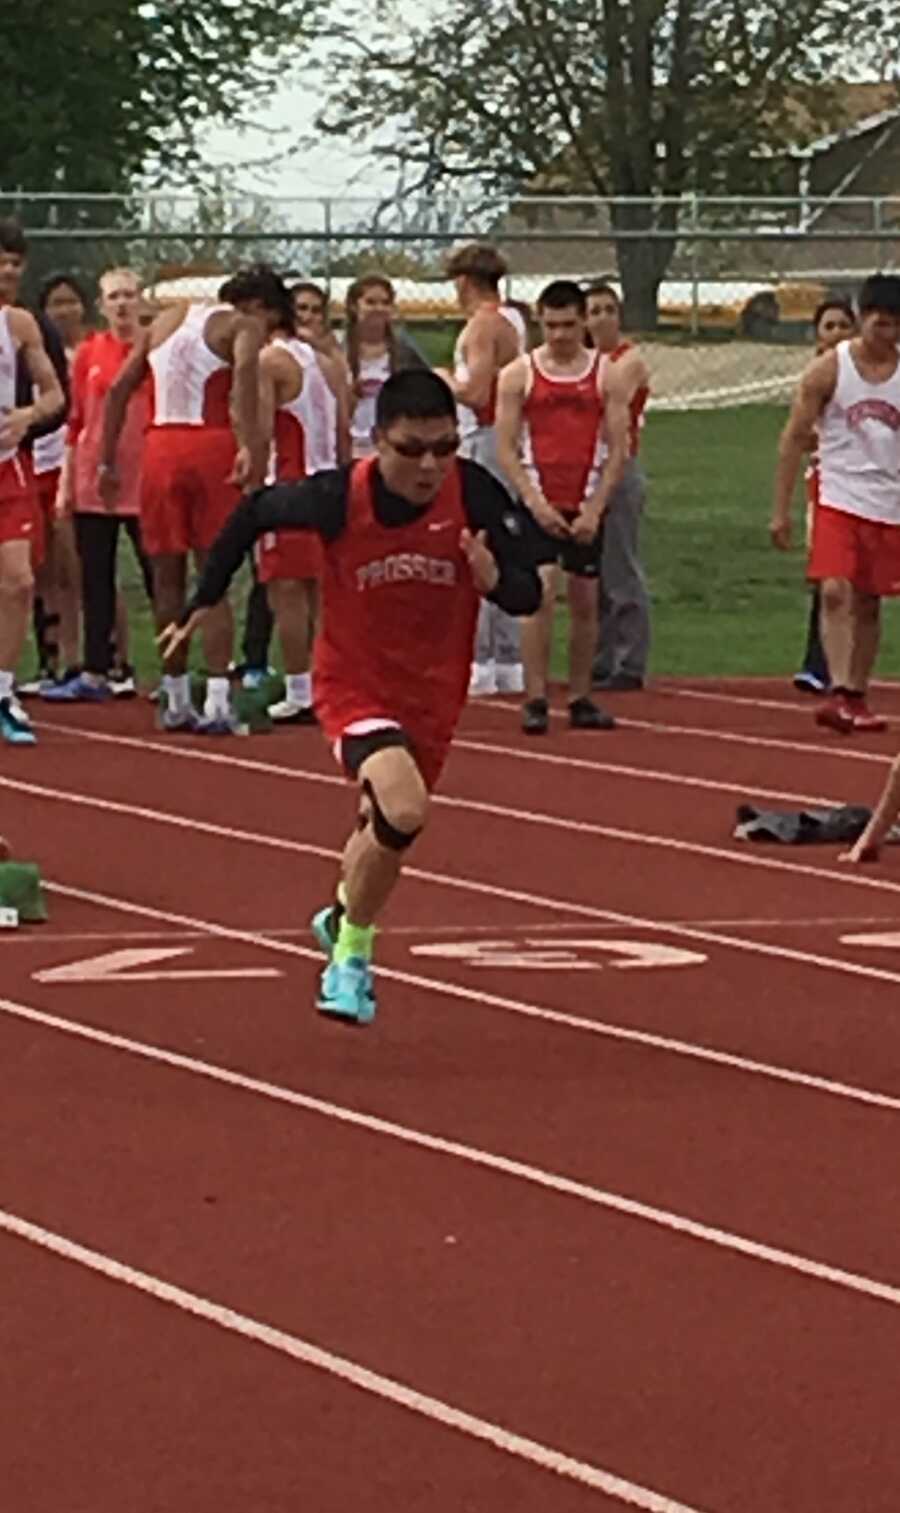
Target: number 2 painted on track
(568, 955)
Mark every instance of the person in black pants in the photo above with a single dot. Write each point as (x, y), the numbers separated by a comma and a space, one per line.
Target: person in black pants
(97, 525)
(834, 321)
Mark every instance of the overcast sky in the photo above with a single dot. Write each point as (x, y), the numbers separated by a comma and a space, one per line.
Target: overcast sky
(328, 169)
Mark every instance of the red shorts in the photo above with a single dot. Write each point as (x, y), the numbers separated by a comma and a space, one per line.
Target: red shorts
(185, 500)
(18, 508)
(288, 555)
(864, 552)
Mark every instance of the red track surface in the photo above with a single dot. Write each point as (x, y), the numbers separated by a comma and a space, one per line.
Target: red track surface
(642, 1217)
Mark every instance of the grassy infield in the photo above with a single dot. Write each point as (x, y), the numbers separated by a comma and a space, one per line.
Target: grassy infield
(724, 601)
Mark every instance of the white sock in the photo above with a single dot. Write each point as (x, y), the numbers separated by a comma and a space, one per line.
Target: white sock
(178, 692)
(217, 697)
(298, 688)
(6, 685)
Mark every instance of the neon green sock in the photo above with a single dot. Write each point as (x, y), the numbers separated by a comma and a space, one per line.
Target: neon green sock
(354, 940)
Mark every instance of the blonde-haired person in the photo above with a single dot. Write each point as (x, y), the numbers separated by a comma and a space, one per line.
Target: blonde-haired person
(374, 349)
(96, 524)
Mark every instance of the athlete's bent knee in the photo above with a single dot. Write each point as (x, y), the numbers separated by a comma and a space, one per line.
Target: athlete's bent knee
(398, 830)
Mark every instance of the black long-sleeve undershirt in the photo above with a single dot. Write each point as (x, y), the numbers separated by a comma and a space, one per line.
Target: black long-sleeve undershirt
(320, 504)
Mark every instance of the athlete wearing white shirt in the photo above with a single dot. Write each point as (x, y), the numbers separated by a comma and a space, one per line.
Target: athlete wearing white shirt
(850, 398)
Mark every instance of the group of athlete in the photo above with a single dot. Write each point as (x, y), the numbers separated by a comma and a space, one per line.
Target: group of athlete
(409, 514)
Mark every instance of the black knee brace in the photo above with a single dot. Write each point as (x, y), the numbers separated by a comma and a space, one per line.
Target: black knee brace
(386, 834)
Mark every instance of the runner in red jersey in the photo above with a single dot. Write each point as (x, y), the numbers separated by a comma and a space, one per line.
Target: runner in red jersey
(623, 635)
(412, 539)
(20, 342)
(304, 407)
(562, 433)
(203, 446)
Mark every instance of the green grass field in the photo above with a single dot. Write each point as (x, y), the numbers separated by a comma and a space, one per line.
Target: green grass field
(724, 602)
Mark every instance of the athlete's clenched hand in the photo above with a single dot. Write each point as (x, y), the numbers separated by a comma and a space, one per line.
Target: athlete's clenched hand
(481, 560)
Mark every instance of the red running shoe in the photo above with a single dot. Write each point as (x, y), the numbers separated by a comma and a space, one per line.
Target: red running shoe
(863, 718)
(837, 713)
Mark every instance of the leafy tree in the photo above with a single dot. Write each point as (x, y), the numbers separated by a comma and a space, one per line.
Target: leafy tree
(626, 99)
(109, 91)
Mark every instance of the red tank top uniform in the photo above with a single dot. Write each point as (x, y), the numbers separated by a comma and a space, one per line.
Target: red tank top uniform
(638, 402)
(399, 611)
(562, 434)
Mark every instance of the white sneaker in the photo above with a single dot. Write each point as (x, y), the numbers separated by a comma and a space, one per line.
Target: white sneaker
(287, 712)
(510, 677)
(483, 679)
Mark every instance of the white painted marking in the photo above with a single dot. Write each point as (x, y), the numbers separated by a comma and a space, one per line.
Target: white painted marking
(619, 1203)
(746, 791)
(516, 895)
(666, 1043)
(768, 743)
(118, 966)
(888, 938)
(355, 1375)
(566, 955)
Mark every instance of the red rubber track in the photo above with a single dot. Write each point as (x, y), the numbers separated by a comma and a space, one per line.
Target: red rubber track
(731, 1344)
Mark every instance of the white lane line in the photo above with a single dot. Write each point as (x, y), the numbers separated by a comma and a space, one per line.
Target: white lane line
(490, 890)
(749, 791)
(768, 743)
(737, 855)
(645, 1038)
(506, 1166)
(351, 1372)
(754, 702)
(38, 936)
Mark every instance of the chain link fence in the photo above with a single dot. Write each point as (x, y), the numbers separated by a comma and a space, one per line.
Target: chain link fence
(735, 302)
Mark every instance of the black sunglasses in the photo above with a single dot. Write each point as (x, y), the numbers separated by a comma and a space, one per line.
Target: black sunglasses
(415, 450)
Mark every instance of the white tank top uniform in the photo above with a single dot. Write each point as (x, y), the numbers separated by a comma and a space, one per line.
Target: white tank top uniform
(305, 427)
(859, 444)
(470, 420)
(8, 352)
(373, 372)
(182, 366)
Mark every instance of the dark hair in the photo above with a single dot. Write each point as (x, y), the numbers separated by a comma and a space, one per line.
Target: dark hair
(260, 281)
(306, 288)
(843, 305)
(881, 291)
(59, 281)
(603, 288)
(12, 237)
(415, 394)
(562, 294)
(483, 264)
(401, 354)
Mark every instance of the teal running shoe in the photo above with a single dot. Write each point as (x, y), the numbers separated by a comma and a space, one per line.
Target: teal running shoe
(325, 926)
(15, 726)
(347, 991)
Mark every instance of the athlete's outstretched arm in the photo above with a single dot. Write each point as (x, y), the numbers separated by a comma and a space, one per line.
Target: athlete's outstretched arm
(317, 504)
(867, 847)
(816, 388)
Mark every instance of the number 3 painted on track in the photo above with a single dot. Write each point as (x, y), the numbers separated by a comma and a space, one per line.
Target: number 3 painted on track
(561, 955)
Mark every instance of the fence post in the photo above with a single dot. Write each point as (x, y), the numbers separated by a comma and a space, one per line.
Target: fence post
(695, 272)
(328, 227)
